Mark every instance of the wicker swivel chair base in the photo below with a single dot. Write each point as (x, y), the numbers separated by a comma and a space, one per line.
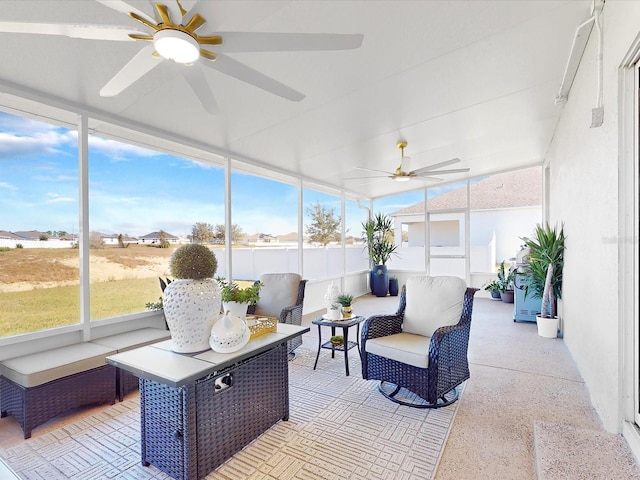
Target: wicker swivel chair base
(396, 394)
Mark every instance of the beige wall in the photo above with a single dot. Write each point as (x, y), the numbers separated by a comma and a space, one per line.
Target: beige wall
(583, 193)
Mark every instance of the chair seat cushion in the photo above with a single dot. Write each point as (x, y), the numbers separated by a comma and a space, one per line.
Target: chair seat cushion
(432, 302)
(402, 347)
(133, 339)
(280, 290)
(42, 367)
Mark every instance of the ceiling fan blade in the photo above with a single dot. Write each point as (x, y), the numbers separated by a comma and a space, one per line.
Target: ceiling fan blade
(287, 42)
(88, 32)
(124, 7)
(443, 172)
(359, 178)
(373, 170)
(237, 70)
(198, 83)
(176, 11)
(142, 63)
(436, 165)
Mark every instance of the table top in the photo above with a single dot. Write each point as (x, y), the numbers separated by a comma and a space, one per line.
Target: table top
(339, 323)
(159, 363)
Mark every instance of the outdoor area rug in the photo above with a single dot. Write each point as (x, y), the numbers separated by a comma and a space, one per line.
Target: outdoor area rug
(339, 428)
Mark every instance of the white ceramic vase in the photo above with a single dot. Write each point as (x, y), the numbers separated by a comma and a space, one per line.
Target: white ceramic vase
(229, 334)
(547, 327)
(236, 309)
(190, 308)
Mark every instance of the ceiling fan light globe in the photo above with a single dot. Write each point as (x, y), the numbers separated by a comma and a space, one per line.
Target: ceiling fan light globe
(402, 178)
(176, 45)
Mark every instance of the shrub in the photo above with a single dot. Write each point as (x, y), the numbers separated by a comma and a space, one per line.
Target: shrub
(193, 261)
(19, 245)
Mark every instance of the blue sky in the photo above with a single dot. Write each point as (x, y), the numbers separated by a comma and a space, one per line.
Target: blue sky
(137, 191)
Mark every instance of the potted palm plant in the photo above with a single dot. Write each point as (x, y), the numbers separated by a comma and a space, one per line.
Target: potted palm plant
(378, 232)
(546, 262)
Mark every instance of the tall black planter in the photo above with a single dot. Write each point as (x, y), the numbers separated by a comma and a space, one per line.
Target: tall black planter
(379, 281)
(393, 287)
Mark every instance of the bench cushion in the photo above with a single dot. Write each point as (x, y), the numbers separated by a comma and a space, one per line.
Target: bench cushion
(122, 342)
(42, 367)
(402, 347)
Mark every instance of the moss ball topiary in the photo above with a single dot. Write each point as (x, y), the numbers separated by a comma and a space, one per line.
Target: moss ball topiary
(193, 261)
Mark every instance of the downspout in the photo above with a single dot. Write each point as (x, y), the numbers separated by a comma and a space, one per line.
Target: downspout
(580, 40)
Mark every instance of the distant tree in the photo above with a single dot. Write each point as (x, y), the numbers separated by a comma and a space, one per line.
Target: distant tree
(325, 226)
(95, 240)
(121, 243)
(164, 243)
(202, 232)
(43, 237)
(236, 233)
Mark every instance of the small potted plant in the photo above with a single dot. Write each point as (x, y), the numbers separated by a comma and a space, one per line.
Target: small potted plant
(505, 284)
(345, 300)
(494, 289)
(237, 299)
(336, 340)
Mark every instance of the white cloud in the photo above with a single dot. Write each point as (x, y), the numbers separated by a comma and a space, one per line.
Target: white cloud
(56, 198)
(117, 150)
(7, 186)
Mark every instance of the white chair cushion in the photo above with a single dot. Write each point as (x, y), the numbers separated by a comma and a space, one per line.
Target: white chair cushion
(402, 347)
(280, 290)
(432, 302)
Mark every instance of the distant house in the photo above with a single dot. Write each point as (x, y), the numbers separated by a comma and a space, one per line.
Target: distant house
(156, 237)
(112, 239)
(9, 236)
(260, 238)
(503, 208)
(31, 235)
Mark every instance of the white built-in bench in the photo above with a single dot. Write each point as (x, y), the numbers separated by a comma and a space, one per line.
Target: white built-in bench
(121, 342)
(37, 387)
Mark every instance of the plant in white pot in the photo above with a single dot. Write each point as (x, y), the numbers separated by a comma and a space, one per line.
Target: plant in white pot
(546, 262)
(191, 301)
(378, 232)
(236, 300)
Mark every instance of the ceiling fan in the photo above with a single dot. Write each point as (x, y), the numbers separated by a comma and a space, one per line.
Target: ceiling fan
(173, 33)
(400, 175)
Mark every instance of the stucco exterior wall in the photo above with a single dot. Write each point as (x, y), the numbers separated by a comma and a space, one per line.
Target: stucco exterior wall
(583, 193)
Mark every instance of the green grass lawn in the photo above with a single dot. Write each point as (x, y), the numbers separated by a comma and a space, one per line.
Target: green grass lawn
(23, 312)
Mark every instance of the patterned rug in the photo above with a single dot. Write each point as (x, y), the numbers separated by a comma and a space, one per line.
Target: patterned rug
(339, 428)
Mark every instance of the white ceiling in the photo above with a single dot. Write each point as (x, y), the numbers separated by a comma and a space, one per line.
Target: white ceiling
(468, 79)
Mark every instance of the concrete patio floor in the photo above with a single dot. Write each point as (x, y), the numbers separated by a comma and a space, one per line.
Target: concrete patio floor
(521, 386)
(518, 380)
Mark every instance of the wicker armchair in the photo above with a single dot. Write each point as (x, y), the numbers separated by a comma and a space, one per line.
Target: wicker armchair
(282, 296)
(419, 354)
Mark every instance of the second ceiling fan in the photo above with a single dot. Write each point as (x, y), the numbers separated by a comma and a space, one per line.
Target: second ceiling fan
(401, 175)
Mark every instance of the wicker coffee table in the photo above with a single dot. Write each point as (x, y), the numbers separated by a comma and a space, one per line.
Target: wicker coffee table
(197, 410)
